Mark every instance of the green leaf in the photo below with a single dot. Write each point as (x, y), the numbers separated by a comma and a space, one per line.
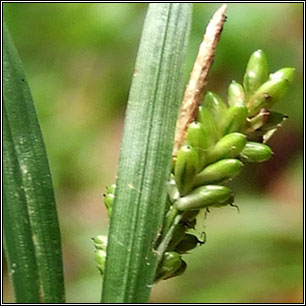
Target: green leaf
(18, 241)
(27, 177)
(145, 158)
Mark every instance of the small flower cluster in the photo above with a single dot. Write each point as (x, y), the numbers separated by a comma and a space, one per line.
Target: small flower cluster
(218, 143)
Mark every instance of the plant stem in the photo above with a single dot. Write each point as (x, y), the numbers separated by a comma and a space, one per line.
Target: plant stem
(176, 218)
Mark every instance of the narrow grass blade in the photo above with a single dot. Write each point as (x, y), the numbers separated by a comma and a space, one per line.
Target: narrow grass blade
(145, 158)
(18, 242)
(33, 177)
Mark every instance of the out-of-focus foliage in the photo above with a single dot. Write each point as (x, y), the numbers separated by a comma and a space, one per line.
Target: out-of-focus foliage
(79, 59)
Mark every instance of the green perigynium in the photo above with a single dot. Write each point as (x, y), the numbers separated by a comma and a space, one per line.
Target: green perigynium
(204, 197)
(186, 166)
(109, 198)
(233, 134)
(218, 143)
(255, 152)
(215, 105)
(100, 243)
(257, 73)
(171, 265)
(218, 172)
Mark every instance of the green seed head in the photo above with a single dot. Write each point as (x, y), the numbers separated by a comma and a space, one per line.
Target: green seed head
(256, 73)
(218, 172)
(235, 94)
(186, 167)
(255, 152)
(205, 196)
(215, 105)
(228, 146)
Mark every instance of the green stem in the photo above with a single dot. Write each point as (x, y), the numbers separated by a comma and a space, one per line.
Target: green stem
(171, 215)
(168, 235)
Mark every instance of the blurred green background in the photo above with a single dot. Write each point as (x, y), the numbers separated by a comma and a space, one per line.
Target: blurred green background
(79, 62)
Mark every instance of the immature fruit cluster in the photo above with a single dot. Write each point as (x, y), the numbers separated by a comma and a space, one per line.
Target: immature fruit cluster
(218, 143)
(100, 243)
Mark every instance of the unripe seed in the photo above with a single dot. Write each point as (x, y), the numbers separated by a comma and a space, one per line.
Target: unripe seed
(179, 271)
(197, 138)
(109, 201)
(205, 117)
(284, 73)
(235, 94)
(170, 263)
(215, 105)
(109, 198)
(100, 257)
(218, 172)
(256, 73)
(205, 196)
(186, 167)
(267, 95)
(234, 119)
(255, 152)
(100, 242)
(228, 146)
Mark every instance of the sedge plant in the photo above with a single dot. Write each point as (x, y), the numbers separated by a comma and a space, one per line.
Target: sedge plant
(223, 138)
(160, 190)
(219, 141)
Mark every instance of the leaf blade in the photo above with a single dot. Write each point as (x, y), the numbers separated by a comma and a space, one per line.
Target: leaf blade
(35, 174)
(145, 155)
(17, 235)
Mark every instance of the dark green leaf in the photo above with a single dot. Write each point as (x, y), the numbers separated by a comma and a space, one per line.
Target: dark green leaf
(29, 171)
